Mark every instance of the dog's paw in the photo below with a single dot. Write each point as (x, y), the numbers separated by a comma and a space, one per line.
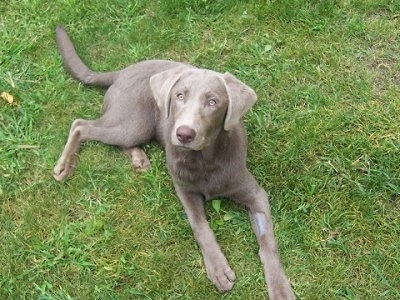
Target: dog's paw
(223, 278)
(63, 169)
(140, 165)
(140, 162)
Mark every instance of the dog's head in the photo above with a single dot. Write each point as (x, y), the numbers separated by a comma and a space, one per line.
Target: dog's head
(200, 103)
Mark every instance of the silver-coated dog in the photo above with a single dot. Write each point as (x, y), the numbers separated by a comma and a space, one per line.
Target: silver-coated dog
(196, 115)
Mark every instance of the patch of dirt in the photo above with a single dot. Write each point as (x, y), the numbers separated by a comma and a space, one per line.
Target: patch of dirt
(385, 72)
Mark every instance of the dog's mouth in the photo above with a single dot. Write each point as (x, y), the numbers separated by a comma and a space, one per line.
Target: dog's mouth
(189, 146)
(197, 144)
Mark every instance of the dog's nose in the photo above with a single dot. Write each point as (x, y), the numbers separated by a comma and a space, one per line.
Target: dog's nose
(185, 134)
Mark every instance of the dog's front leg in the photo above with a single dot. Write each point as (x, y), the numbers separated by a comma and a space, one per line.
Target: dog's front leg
(260, 215)
(217, 267)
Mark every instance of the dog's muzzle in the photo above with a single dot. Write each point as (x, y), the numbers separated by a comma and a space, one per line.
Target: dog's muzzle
(185, 134)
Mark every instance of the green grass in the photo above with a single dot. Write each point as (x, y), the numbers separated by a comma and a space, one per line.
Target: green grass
(324, 141)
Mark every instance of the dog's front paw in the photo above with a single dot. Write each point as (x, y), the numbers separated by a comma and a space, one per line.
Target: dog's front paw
(63, 169)
(222, 276)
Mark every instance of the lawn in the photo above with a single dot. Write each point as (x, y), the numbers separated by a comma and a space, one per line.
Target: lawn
(324, 140)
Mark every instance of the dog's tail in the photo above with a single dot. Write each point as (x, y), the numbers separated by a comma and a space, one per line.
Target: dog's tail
(75, 65)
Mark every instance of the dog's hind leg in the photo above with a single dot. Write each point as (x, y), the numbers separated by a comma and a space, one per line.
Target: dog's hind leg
(67, 161)
(98, 130)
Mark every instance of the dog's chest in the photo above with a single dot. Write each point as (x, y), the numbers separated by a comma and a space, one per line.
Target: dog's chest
(191, 170)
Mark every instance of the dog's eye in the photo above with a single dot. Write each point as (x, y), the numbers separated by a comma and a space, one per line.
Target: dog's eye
(180, 96)
(212, 102)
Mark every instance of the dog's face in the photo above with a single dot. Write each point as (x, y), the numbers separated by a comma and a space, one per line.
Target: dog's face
(200, 104)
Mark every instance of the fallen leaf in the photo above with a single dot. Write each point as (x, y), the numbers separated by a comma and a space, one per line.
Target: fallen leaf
(267, 48)
(228, 216)
(8, 97)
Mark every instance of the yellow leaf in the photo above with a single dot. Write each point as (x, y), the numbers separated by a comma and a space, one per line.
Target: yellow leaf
(8, 97)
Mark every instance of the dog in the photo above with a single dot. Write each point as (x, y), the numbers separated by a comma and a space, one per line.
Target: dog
(196, 115)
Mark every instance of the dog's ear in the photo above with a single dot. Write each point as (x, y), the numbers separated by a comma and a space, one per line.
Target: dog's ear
(241, 98)
(161, 85)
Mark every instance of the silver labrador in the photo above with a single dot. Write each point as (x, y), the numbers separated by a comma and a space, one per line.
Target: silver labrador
(196, 114)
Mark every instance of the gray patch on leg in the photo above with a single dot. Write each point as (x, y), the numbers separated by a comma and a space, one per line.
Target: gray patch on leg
(261, 222)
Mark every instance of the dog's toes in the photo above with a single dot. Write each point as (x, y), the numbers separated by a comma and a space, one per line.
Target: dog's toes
(140, 161)
(227, 280)
(59, 173)
(62, 170)
(223, 279)
(141, 165)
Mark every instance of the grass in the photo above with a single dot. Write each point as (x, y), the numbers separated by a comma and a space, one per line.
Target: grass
(324, 141)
